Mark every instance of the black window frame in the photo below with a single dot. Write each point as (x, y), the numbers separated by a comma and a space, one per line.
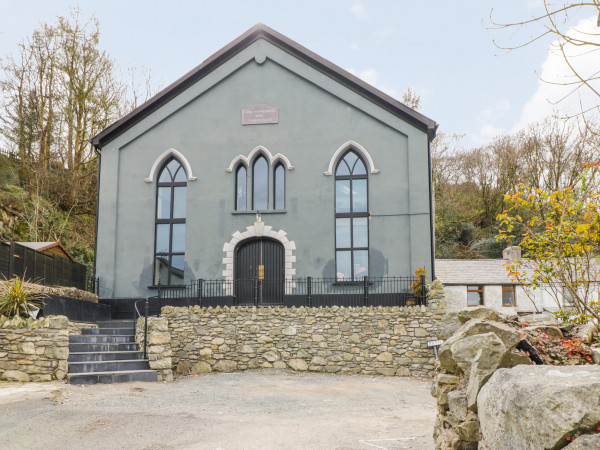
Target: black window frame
(170, 221)
(255, 160)
(235, 192)
(351, 214)
(277, 165)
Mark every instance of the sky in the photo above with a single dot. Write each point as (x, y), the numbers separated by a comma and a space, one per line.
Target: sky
(443, 50)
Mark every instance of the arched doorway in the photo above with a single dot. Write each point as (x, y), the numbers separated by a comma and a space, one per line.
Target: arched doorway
(259, 272)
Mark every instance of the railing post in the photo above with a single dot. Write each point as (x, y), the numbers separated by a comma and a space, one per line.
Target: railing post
(255, 291)
(158, 284)
(145, 329)
(11, 260)
(423, 291)
(200, 282)
(366, 290)
(309, 291)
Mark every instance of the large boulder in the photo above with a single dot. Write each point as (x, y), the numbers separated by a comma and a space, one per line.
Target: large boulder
(486, 362)
(535, 407)
(448, 325)
(585, 442)
(509, 337)
(584, 332)
(545, 318)
(477, 312)
(552, 331)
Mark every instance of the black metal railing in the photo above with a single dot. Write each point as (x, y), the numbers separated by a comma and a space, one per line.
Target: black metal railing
(137, 315)
(308, 291)
(51, 270)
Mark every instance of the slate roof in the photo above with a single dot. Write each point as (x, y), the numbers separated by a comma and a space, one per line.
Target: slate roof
(471, 271)
(43, 246)
(261, 31)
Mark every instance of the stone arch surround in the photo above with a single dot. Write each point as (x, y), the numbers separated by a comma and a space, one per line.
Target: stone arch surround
(259, 229)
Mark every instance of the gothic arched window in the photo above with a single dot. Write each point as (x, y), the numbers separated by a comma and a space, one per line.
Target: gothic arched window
(279, 186)
(240, 188)
(351, 218)
(169, 244)
(260, 184)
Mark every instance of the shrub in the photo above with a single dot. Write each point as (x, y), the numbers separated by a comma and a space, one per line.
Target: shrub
(16, 299)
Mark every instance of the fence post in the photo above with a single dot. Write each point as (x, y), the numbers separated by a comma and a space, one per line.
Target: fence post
(200, 282)
(309, 291)
(158, 284)
(255, 291)
(11, 260)
(366, 290)
(423, 291)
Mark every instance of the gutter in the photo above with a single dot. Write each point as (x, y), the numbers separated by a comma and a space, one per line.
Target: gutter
(431, 218)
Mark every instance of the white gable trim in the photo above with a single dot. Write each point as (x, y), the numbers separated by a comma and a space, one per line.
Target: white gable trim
(257, 230)
(167, 154)
(356, 146)
(252, 154)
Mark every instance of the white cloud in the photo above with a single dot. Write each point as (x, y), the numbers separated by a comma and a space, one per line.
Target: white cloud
(383, 34)
(497, 111)
(552, 95)
(369, 75)
(359, 10)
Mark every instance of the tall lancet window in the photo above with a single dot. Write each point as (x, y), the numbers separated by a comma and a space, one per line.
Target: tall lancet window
(351, 218)
(171, 199)
(260, 184)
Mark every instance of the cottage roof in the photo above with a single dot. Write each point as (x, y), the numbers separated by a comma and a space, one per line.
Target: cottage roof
(261, 31)
(44, 247)
(472, 271)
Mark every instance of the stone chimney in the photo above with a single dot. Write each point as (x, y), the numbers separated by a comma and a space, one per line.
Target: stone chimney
(511, 253)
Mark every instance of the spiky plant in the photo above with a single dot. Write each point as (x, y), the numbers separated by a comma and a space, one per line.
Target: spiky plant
(16, 299)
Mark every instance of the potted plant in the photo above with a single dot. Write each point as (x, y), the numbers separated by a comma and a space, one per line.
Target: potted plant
(17, 299)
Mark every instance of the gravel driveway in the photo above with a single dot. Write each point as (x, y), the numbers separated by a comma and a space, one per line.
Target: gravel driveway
(244, 410)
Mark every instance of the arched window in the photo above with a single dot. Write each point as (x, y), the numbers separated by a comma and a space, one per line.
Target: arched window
(351, 218)
(240, 188)
(279, 186)
(169, 249)
(260, 184)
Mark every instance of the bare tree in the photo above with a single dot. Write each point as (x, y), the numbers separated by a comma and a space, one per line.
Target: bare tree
(555, 22)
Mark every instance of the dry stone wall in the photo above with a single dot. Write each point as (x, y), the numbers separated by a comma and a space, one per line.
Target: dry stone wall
(34, 350)
(385, 341)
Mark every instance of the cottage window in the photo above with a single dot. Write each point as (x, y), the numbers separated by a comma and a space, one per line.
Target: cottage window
(509, 297)
(279, 186)
(240, 188)
(260, 184)
(474, 295)
(351, 219)
(169, 245)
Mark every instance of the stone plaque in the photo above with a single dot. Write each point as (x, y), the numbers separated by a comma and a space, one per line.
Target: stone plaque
(260, 114)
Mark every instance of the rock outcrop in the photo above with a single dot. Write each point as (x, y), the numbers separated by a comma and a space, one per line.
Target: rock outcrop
(540, 407)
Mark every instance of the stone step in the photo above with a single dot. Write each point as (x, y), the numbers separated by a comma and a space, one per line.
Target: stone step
(104, 356)
(112, 377)
(104, 347)
(107, 331)
(115, 324)
(100, 339)
(108, 366)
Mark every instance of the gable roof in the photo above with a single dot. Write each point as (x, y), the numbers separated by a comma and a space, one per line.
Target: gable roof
(261, 31)
(472, 271)
(43, 247)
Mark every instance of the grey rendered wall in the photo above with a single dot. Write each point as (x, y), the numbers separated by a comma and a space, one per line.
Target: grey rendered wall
(316, 116)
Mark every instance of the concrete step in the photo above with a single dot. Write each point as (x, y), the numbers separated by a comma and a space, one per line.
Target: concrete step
(112, 377)
(103, 347)
(115, 324)
(104, 356)
(100, 339)
(107, 331)
(108, 366)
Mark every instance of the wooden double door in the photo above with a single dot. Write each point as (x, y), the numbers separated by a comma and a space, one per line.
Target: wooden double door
(259, 272)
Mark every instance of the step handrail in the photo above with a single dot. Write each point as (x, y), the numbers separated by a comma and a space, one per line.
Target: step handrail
(136, 315)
